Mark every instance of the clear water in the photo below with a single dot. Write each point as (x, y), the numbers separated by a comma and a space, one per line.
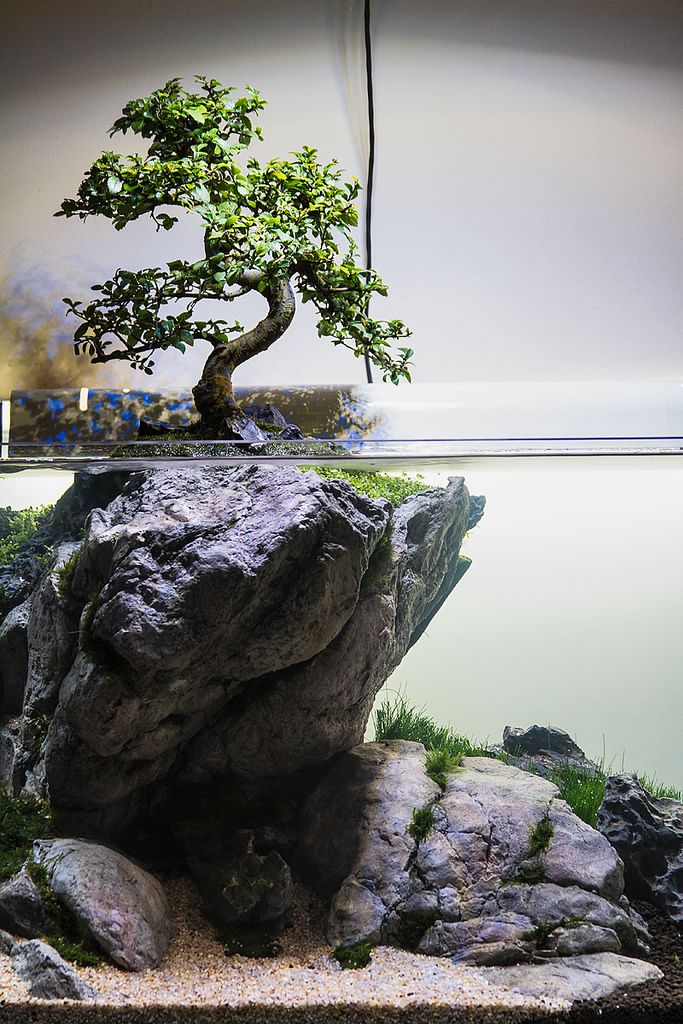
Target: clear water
(570, 614)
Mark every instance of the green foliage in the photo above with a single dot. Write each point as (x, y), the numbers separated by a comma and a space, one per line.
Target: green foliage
(22, 820)
(421, 823)
(65, 575)
(398, 720)
(540, 836)
(24, 524)
(253, 941)
(374, 485)
(76, 951)
(439, 765)
(354, 956)
(263, 224)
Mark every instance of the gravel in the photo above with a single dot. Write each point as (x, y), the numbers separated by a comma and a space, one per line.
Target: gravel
(198, 983)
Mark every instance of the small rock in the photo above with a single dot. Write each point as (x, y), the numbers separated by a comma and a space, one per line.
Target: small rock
(150, 428)
(47, 974)
(540, 738)
(586, 938)
(648, 835)
(7, 943)
(244, 887)
(117, 903)
(593, 976)
(22, 908)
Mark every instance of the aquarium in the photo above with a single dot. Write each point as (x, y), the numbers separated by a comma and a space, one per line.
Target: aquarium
(381, 708)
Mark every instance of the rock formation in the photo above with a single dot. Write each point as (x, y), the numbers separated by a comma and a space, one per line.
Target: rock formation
(504, 872)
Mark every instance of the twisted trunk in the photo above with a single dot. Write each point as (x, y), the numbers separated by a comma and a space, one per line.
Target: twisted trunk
(213, 395)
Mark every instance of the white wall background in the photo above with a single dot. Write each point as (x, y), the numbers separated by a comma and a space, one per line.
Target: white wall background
(530, 161)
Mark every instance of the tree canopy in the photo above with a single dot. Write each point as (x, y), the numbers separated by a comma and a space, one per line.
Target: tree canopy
(267, 227)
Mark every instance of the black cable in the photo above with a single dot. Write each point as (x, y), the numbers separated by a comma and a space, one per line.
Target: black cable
(371, 157)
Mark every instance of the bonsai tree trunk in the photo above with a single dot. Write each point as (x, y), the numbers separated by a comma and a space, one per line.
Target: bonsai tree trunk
(213, 395)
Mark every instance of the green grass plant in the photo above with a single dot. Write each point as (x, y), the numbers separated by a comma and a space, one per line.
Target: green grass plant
(440, 763)
(582, 787)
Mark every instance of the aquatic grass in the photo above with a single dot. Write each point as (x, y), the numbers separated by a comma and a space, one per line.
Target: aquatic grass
(439, 765)
(397, 719)
(582, 788)
(395, 488)
(23, 524)
(657, 789)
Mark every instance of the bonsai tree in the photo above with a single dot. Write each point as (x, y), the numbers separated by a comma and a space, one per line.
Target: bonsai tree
(272, 228)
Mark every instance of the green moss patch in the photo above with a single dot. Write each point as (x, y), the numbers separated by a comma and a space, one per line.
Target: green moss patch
(374, 485)
(250, 941)
(540, 836)
(421, 823)
(354, 956)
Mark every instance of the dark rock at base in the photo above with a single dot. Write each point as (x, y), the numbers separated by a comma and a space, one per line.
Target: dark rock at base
(116, 903)
(22, 908)
(47, 974)
(14, 658)
(7, 943)
(465, 889)
(648, 835)
(243, 886)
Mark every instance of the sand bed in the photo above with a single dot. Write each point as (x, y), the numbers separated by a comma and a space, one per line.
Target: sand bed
(197, 972)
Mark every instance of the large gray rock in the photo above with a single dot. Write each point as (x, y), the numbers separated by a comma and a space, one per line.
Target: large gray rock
(466, 889)
(117, 904)
(648, 834)
(48, 976)
(14, 658)
(233, 621)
